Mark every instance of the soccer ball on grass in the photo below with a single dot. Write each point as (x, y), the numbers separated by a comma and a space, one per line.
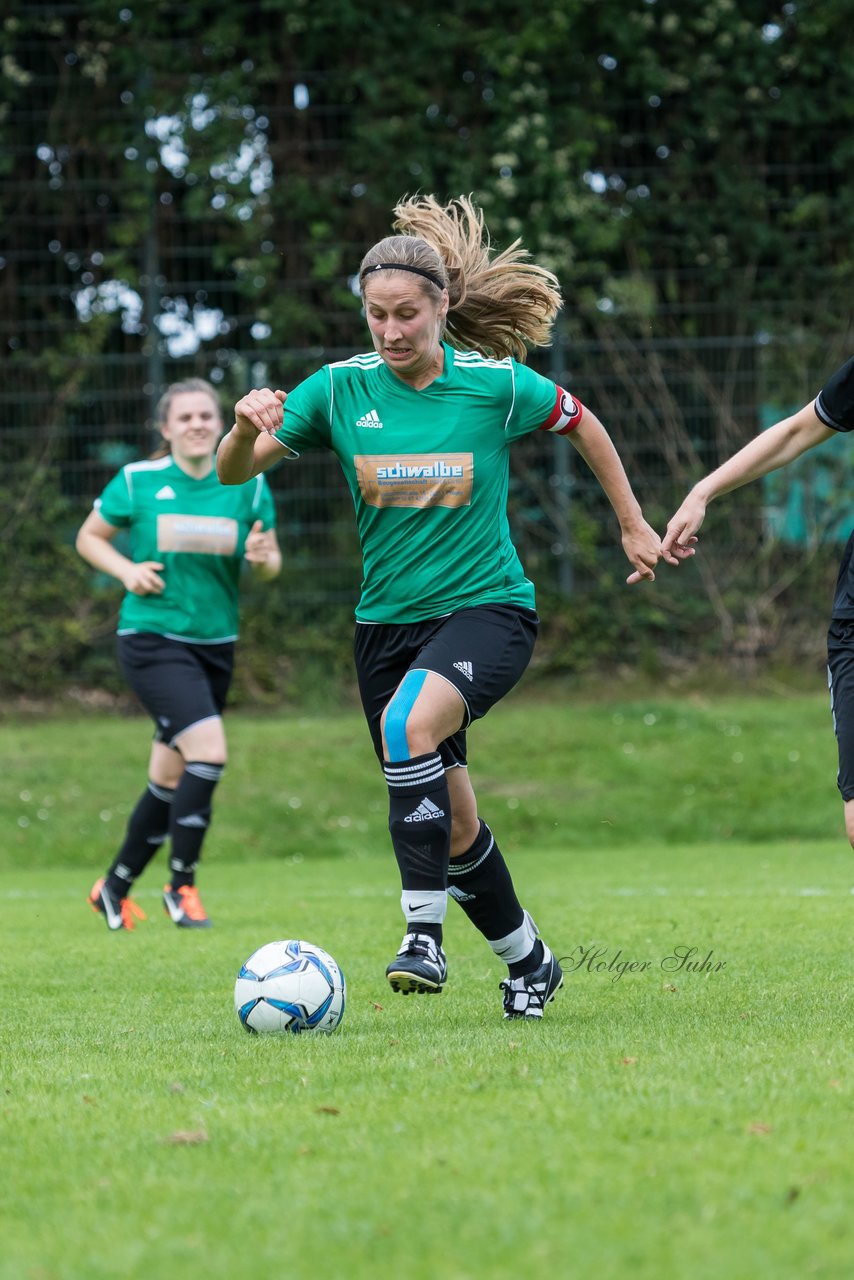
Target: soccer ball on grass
(290, 986)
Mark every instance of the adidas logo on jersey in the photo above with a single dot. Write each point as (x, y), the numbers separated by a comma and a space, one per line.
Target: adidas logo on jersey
(426, 811)
(466, 669)
(371, 419)
(166, 492)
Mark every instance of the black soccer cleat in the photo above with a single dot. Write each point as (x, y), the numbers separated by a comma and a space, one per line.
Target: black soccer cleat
(119, 913)
(527, 997)
(419, 966)
(184, 907)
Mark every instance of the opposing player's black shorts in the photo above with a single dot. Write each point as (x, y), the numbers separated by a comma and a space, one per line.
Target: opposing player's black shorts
(482, 652)
(840, 681)
(178, 683)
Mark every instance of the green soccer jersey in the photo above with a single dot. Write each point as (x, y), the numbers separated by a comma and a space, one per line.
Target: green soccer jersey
(428, 472)
(197, 530)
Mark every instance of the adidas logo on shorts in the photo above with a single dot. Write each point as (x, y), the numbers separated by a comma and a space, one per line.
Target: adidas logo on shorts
(466, 669)
(425, 812)
(371, 419)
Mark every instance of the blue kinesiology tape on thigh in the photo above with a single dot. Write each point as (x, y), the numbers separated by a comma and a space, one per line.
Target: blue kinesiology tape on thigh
(398, 714)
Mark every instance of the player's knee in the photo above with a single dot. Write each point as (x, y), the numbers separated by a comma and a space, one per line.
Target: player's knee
(204, 740)
(395, 730)
(166, 765)
(410, 735)
(405, 725)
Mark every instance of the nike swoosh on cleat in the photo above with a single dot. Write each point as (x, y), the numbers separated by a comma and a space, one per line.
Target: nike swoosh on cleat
(114, 918)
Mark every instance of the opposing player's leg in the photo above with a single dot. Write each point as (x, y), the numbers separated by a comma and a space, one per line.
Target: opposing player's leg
(840, 682)
(479, 881)
(848, 811)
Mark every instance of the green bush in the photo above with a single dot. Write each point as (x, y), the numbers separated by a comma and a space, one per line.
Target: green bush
(49, 615)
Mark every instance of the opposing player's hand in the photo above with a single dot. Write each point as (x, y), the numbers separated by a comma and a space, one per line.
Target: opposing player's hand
(259, 545)
(681, 528)
(143, 579)
(262, 410)
(676, 552)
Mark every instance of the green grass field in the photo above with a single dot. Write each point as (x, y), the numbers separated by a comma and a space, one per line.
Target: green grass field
(661, 1122)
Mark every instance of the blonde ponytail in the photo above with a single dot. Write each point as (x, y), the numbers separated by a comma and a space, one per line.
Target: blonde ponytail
(500, 304)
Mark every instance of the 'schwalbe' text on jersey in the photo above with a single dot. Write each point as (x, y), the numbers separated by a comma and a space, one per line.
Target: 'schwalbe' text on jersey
(428, 472)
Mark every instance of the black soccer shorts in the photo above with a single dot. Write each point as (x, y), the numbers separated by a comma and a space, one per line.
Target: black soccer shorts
(482, 652)
(178, 683)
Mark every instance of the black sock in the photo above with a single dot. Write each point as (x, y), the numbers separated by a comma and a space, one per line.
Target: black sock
(532, 961)
(480, 882)
(433, 930)
(419, 823)
(147, 829)
(191, 816)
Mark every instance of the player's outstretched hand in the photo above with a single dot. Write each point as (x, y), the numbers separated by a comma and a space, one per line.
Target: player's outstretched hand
(262, 410)
(642, 546)
(645, 549)
(681, 528)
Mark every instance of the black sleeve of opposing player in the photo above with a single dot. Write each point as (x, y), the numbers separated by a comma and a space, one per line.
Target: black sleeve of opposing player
(835, 402)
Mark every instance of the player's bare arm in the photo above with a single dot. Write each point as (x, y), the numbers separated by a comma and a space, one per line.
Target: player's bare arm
(95, 544)
(641, 543)
(774, 448)
(251, 447)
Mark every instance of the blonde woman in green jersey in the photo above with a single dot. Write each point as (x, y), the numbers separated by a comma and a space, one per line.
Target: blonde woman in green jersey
(189, 536)
(446, 622)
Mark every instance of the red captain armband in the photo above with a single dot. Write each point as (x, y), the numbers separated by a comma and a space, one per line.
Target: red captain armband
(566, 414)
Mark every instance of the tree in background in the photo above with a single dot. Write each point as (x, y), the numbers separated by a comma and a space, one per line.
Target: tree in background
(190, 191)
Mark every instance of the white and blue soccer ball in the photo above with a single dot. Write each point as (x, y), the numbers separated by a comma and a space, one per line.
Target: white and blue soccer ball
(290, 986)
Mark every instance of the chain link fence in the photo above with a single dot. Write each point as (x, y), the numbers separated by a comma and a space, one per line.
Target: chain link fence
(100, 310)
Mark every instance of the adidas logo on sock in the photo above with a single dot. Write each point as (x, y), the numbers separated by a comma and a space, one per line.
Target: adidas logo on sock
(371, 419)
(466, 669)
(192, 820)
(460, 895)
(425, 812)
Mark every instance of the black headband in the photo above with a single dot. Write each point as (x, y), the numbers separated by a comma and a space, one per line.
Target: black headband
(400, 266)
